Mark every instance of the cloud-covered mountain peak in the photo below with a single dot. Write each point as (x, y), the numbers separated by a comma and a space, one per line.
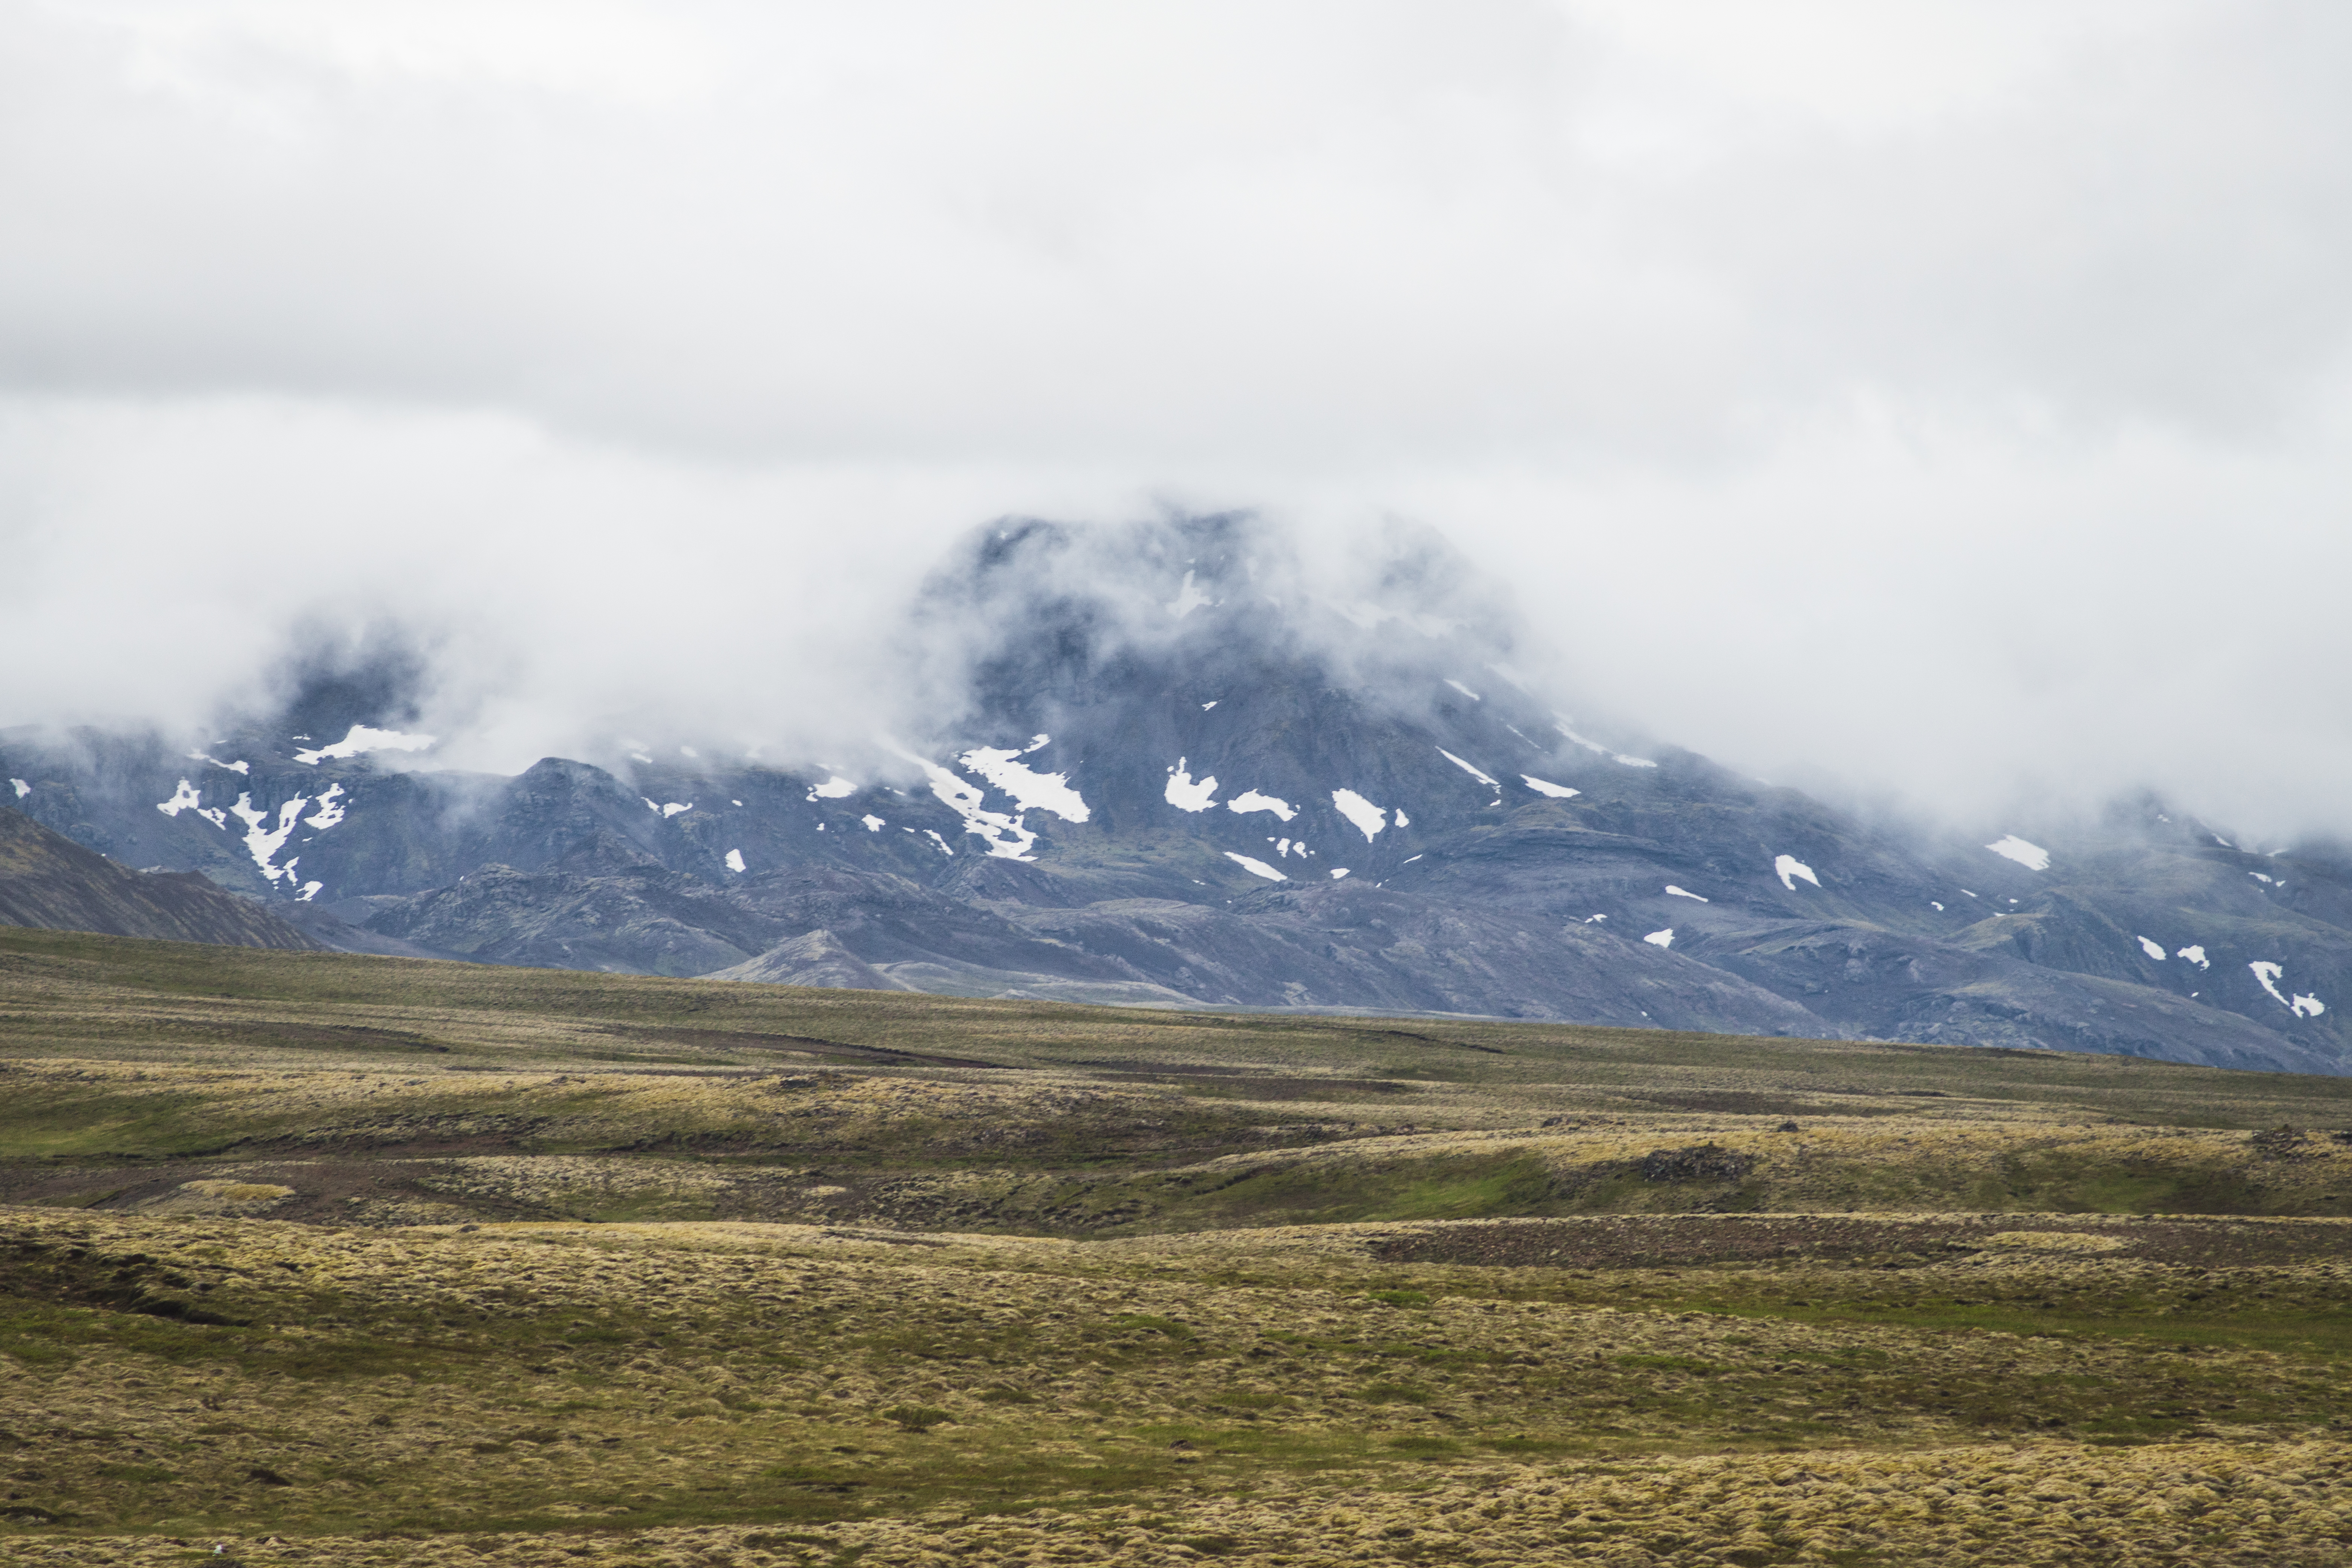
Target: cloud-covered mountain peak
(1188, 761)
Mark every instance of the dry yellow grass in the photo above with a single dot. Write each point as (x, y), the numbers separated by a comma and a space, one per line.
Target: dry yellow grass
(2204, 1503)
(632, 1390)
(327, 1261)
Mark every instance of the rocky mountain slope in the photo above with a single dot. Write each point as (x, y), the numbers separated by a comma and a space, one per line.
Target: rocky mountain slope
(47, 880)
(1180, 780)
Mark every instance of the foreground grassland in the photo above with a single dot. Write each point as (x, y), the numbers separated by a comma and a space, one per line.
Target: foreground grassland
(328, 1259)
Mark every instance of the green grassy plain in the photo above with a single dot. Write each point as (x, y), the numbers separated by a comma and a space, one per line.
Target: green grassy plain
(334, 1259)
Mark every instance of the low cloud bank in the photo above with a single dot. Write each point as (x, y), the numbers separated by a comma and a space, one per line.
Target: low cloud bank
(1948, 404)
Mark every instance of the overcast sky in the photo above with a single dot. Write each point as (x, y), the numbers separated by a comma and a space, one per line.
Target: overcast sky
(1950, 399)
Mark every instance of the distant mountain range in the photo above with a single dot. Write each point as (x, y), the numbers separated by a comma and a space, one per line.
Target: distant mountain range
(1172, 789)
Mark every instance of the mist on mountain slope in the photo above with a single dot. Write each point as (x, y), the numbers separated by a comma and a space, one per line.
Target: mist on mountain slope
(1375, 617)
(858, 681)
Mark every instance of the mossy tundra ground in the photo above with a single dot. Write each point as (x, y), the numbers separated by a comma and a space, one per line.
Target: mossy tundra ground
(325, 1259)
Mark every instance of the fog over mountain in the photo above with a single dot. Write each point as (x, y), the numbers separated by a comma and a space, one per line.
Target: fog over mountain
(1941, 408)
(1172, 764)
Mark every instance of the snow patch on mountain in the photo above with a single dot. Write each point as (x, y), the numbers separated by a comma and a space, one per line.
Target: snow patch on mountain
(188, 797)
(1369, 818)
(1463, 689)
(1186, 794)
(23, 789)
(264, 843)
(734, 860)
(1560, 724)
(2155, 950)
(1545, 786)
(364, 739)
(1595, 747)
(1032, 789)
(239, 767)
(1007, 836)
(1518, 677)
(1675, 892)
(1188, 599)
(1468, 768)
(1661, 938)
(2300, 1006)
(1255, 868)
(2033, 857)
(330, 810)
(2195, 954)
(1251, 800)
(1339, 873)
(834, 788)
(1788, 868)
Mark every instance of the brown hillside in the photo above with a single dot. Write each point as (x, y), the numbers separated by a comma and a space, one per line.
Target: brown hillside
(48, 880)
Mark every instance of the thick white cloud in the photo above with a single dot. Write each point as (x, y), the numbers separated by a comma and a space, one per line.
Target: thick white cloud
(1939, 396)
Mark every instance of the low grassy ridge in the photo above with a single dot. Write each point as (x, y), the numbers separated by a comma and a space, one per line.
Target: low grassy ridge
(337, 1260)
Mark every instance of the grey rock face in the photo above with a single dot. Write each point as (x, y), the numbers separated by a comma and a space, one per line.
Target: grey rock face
(1179, 782)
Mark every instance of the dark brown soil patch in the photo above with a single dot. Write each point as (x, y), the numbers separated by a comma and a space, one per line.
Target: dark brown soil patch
(807, 1045)
(1648, 1241)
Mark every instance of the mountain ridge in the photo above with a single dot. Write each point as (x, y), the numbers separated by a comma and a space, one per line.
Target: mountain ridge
(1177, 777)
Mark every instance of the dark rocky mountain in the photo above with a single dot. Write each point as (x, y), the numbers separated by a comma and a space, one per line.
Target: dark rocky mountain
(48, 880)
(1177, 778)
